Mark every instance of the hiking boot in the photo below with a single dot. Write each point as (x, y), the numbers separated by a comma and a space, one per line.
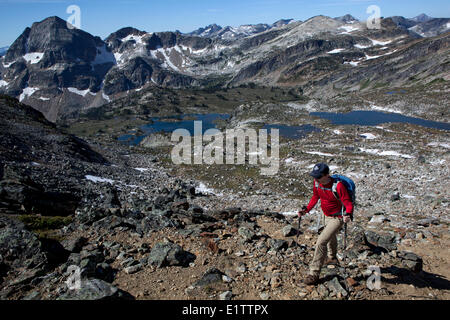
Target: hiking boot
(332, 261)
(311, 280)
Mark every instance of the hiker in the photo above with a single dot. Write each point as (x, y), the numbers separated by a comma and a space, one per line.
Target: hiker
(336, 216)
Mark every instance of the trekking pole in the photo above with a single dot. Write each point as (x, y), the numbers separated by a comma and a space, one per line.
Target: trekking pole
(299, 222)
(345, 231)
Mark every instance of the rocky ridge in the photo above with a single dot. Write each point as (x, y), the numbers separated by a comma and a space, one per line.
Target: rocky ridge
(63, 72)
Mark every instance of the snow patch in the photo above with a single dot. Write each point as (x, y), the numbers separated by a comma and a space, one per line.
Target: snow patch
(438, 144)
(368, 136)
(98, 179)
(320, 153)
(371, 57)
(290, 214)
(142, 169)
(27, 92)
(385, 109)
(3, 83)
(335, 51)
(7, 65)
(131, 37)
(353, 63)
(337, 132)
(380, 43)
(104, 96)
(348, 29)
(203, 189)
(33, 57)
(43, 98)
(80, 92)
(386, 153)
(309, 106)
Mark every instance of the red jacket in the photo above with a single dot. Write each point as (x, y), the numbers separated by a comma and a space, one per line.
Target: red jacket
(330, 205)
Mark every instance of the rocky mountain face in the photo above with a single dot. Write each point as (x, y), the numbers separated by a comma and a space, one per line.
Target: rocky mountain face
(347, 19)
(421, 18)
(432, 28)
(62, 72)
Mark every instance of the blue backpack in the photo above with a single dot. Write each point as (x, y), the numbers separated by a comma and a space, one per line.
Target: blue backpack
(349, 185)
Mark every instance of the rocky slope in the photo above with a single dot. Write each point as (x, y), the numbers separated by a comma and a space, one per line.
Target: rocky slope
(139, 227)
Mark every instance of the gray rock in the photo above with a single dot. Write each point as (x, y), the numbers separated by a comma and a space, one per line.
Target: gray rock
(246, 233)
(74, 245)
(385, 241)
(411, 261)
(289, 231)
(226, 295)
(95, 289)
(264, 296)
(336, 287)
(378, 219)
(395, 197)
(18, 245)
(322, 290)
(241, 268)
(133, 269)
(169, 254)
(278, 244)
(211, 276)
(34, 295)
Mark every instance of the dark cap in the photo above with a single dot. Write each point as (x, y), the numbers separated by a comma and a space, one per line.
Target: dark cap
(319, 170)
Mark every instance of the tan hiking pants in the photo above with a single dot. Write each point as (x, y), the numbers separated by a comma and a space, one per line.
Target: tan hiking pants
(326, 244)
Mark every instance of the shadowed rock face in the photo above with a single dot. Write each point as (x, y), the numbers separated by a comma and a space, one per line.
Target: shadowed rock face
(49, 57)
(27, 137)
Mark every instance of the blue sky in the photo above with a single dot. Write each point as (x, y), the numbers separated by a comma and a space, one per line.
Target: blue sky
(102, 17)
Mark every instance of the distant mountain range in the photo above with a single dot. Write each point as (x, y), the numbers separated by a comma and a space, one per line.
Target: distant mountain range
(233, 33)
(62, 71)
(3, 51)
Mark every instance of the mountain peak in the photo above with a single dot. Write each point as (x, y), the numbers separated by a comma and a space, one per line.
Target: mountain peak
(281, 23)
(348, 18)
(52, 21)
(422, 18)
(124, 32)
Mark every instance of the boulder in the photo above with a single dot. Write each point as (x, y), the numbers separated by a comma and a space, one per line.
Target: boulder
(169, 254)
(74, 245)
(288, 231)
(211, 276)
(335, 286)
(246, 233)
(411, 261)
(384, 241)
(96, 289)
(278, 244)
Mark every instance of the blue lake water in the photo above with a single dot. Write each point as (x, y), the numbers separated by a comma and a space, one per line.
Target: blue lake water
(293, 132)
(373, 118)
(166, 124)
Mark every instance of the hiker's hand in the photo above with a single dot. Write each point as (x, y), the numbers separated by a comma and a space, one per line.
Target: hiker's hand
(347, 219)
(301, 213)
